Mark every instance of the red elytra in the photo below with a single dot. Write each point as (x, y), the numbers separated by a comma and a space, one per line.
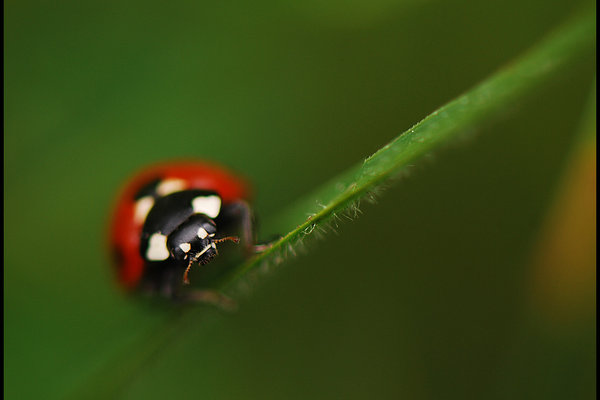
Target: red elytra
(125, 232)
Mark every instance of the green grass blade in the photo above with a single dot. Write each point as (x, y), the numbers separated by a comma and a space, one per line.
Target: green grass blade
(486, 101)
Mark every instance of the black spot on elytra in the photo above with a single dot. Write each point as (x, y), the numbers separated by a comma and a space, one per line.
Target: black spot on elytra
(148, 189)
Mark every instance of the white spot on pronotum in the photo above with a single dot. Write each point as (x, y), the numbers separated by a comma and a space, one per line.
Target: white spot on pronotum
(142, 208)
(169, 186)
(202, 233)
(207, 205)
(185, 247)
(157, 248)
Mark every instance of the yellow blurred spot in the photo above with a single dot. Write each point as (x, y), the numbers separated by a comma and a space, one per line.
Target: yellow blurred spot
(565, 258)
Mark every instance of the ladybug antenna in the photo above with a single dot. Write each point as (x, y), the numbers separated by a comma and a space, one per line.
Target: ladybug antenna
(186, 280)
(233, 239)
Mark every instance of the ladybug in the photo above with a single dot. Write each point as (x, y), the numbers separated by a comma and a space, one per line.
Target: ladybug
(172, 216)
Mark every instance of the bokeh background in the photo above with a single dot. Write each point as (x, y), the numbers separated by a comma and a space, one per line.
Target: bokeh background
(443, 289)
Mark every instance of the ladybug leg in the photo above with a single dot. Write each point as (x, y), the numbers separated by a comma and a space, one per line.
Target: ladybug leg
(170, 282)
(260, 247)
(171, 288)
(211, 297)
(241, 212)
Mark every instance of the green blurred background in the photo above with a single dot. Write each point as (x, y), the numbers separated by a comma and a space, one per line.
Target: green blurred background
(435, 292)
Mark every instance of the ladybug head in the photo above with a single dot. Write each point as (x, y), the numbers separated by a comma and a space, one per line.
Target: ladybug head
(194, 242)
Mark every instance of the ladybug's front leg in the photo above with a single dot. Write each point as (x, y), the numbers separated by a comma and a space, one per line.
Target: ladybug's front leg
(171, 288)
(240, 216)
(207, 296)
